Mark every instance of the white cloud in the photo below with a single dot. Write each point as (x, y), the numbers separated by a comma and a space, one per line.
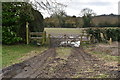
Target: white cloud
(98, 6)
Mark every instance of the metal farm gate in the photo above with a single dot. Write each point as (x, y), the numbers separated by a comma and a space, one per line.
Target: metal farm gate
(68, 40)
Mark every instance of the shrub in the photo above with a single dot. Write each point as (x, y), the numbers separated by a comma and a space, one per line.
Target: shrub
(9, 37)
(107, 33)
(14, 18)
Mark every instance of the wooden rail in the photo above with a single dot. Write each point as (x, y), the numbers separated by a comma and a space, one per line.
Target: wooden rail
(38, 36)
(35, 37)
(41, 36)
(36, 33)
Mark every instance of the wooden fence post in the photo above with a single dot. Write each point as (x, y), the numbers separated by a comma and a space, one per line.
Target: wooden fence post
(81, 39)
(43, 38)
(65, 37)
(89, 38)
(27, 33)
(48, 40)
(110, 41)
(101, 35)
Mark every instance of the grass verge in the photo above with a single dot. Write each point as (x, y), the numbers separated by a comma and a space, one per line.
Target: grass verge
(12, 54)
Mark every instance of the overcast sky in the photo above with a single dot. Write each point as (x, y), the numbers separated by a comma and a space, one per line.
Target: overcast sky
(98, 6)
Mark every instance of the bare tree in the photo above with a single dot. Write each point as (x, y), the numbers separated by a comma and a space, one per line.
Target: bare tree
(50, 6)
(15, 0)
(87, 15)
(87, 11)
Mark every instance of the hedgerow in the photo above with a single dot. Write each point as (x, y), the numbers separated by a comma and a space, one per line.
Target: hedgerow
(108, 33)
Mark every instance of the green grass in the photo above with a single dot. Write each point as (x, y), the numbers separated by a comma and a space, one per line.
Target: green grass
(11, 54)
(63, 30)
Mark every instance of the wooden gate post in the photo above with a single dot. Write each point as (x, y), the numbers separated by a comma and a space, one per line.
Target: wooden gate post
(65, 37)
(49, 42)
(81, 39)
(43, 38)
(27, 33)
(110, 41)
(101, 35)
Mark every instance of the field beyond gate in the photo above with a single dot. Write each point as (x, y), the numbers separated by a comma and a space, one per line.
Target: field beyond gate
(68, 31)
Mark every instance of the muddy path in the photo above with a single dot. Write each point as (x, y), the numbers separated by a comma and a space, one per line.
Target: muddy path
(78, 64)
(29, 67)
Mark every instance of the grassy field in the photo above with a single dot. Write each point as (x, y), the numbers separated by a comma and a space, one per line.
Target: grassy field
(63, 30)
(56, 31)
(17, 53)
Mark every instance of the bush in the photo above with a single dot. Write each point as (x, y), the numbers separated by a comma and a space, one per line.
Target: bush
(107, 33)
(113, 33)
(9, 37)
(14, 18)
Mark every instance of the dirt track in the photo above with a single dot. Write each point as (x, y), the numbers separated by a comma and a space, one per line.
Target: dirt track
(46, 65)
